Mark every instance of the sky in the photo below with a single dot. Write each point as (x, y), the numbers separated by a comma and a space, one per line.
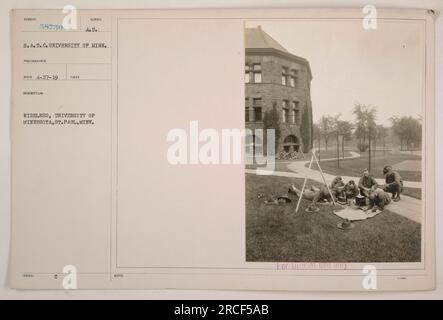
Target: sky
(383, 68)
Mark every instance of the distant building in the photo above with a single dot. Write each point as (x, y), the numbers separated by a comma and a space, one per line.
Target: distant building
(274, 76)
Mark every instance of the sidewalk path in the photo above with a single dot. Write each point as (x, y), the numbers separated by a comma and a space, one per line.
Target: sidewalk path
(408, 207)
(300, 167)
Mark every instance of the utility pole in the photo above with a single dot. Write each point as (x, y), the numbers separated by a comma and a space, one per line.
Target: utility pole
(338, 150)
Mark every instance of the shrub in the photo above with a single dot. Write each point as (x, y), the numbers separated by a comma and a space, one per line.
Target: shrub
(305, 131)
(362, 147)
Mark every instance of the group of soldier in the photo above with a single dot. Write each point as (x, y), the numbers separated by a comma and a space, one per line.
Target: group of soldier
(368, 191)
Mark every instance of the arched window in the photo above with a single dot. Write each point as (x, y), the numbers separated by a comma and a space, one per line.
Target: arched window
(291, 143)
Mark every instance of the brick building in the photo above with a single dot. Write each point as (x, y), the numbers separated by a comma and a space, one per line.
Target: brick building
(276, 77)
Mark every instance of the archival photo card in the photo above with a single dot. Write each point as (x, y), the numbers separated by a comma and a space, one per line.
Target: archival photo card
(278, 149)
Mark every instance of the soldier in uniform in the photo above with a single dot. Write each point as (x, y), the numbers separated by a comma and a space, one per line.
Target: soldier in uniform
(312, 194)
(378, 198)
(366, 183)
(351, 190)
(337, 187)
(394, 183)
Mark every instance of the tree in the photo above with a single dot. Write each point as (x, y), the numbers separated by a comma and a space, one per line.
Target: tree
(345, 130)
(317, 134)
(364, 122)
(326, 127)
(380, 134)
(271, 120)
(336, 130)
(408, 130)
(305, 131)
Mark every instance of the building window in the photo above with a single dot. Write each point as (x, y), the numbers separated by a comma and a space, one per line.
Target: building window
(293, 77)
(247, 74)
(257, 114)
(285, 111)
(256, 103)
(246, 110)
(257, 77)
(295, 111)
(254, 145)
(297, 116)
(256, 69)
(290, 143)
(284, 76)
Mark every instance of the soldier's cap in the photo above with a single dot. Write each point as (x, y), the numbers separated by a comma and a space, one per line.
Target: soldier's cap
(386, 169)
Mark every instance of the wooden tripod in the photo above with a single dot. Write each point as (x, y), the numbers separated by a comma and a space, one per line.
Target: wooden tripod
(314, 157)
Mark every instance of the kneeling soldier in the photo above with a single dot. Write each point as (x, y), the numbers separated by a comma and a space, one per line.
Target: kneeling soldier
(351, 190)
(337, 187)
(378, 198)
(394, 183)
(366, 183)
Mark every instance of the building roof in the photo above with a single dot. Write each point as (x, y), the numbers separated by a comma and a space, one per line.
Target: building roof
(257, 41)
(256, 38)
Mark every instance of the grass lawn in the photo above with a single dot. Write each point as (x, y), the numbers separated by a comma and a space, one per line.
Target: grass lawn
(333, 154)
(282, 165)
(275, 233)
(354, 167)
